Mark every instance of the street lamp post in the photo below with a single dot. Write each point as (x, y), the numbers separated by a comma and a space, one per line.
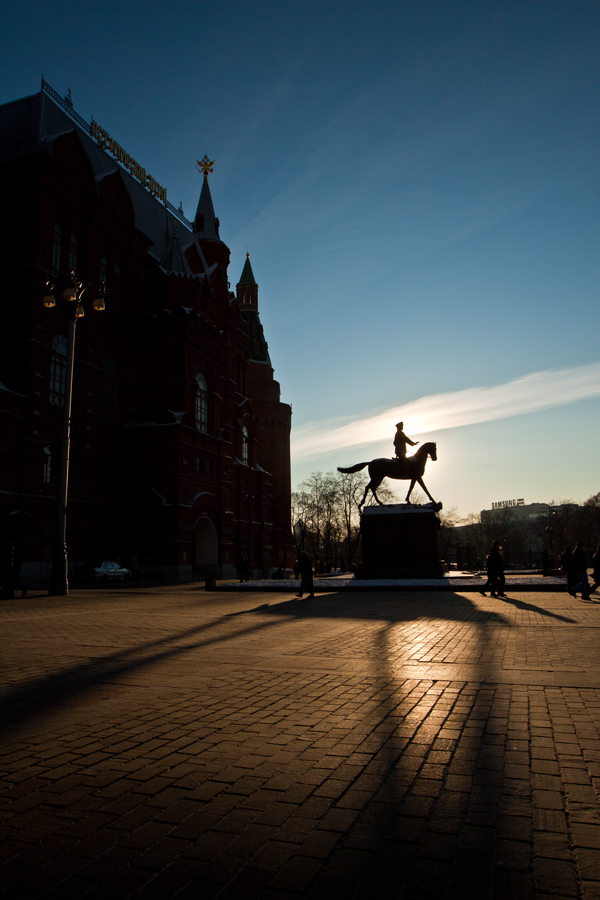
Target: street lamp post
(74, 294)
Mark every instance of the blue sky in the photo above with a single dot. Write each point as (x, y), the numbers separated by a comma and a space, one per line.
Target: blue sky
(417, 184)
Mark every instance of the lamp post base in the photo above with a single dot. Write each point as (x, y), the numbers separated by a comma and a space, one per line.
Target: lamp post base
(59, 581)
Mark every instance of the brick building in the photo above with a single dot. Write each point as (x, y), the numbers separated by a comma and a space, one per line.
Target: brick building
(180, 460)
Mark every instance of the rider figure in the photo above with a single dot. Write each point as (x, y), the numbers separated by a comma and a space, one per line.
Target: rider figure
(400, 441)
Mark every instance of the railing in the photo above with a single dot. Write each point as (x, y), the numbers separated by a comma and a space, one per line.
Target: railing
(179, 214)
(67, 105)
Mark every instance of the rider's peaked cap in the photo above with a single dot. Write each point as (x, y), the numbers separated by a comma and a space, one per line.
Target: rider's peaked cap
(398, 424)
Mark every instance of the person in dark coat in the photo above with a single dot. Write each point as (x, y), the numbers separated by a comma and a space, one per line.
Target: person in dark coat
(306, 576)
(580, 564)
(567, 567)
(244, 569)
(595, 575)
(545, 563)
(10, 566)
(495, 569)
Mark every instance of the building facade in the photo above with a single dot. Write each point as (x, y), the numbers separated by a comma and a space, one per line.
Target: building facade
(180, 460)
(525, 530)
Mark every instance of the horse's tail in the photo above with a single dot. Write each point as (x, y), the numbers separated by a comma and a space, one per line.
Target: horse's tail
(352, 469)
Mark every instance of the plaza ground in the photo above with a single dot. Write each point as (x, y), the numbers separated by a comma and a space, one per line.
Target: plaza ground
(172, 742)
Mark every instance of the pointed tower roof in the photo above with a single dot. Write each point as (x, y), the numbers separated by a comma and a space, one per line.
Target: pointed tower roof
(247, 297)
(206, 224)
(174, 259)
(247, 276)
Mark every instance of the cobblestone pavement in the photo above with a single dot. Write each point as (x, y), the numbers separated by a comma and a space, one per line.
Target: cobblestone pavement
(169, 742)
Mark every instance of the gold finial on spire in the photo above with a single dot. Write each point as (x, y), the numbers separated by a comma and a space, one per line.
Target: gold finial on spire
(205, 165)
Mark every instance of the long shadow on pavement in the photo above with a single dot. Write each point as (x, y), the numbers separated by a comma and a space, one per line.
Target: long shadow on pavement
(441, 800)
(66, 685)
(427, 821)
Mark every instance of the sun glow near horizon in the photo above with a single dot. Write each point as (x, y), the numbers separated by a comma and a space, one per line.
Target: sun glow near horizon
(437, 412)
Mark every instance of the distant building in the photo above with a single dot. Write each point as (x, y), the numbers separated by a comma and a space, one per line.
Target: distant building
(524, 529)
(180, 459)
(519, 511)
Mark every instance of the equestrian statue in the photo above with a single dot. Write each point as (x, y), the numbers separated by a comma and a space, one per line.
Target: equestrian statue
(409, 468)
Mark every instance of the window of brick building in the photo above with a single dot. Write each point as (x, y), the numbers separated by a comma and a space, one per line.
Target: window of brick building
(115, 293)
(56, 249)
(58, 371)
(201, 411)
(47, 465)
(245, 446)
(73, 253)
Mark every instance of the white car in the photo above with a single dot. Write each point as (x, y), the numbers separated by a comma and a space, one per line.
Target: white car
(104, 571)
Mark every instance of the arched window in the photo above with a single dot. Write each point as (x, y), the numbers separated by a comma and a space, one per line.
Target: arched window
(56, 249)
(73, 253)
(58, 371)
(108, 396)
(115, 294)
(245, 446)
(201, 412)
(47, 465)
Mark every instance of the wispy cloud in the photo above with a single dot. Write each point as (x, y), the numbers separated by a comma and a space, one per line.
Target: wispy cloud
(540, 390)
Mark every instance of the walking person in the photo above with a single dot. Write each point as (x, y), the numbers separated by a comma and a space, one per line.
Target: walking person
(595, 574)
(306, 576)
(567, 567)
(495, 569)
(580, 564)
(10, 566)
(545, 563)
(244, 569)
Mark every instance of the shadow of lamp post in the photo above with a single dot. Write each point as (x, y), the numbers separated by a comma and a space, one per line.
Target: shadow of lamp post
(74, 294)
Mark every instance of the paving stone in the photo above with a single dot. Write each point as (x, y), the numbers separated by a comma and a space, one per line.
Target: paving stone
(556, 876)
(588, 863)
(552, 845)
(513, 885)
(274, 854)
(425, 879)
(146, 836)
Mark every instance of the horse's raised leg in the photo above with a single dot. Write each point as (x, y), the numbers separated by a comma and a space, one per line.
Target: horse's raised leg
(422, 484)
(374, 485)
(362, 502)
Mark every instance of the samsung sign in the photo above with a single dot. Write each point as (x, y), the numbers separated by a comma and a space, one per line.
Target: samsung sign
(502, 504)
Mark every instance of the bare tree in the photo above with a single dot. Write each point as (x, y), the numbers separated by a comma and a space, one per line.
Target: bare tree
(448, 520)
(326, 514)
(588, 522)
(315, 515)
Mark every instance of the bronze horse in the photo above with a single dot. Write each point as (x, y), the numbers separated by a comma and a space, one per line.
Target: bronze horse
(410, 469)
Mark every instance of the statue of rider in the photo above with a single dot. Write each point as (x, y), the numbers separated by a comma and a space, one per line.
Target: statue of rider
(401, 440)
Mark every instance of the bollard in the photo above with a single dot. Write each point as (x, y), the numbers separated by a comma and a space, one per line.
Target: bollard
(210, 584)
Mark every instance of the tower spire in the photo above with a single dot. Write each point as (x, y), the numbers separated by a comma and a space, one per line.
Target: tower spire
(247, 277)
(206, 224)
(247, 297)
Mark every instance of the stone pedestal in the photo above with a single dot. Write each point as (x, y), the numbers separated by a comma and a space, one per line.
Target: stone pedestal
(400, 541)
